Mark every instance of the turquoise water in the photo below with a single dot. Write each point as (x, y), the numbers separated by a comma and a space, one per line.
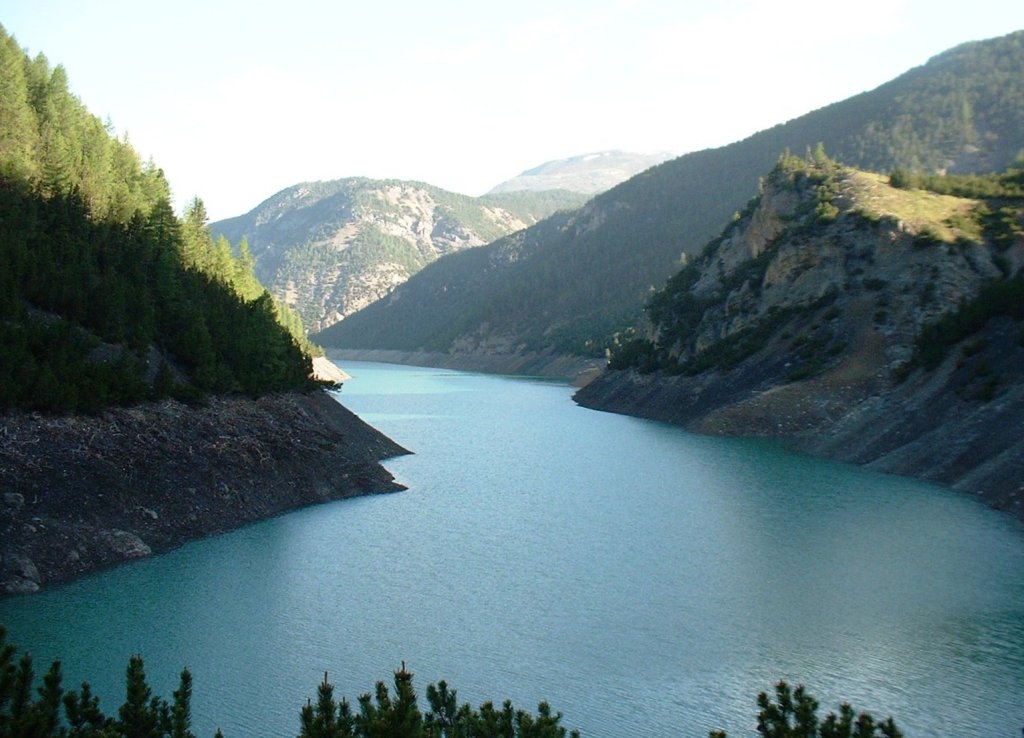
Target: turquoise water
(644, 581)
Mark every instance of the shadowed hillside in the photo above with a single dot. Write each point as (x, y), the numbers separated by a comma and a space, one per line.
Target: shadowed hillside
(570, 283)
(875, 324)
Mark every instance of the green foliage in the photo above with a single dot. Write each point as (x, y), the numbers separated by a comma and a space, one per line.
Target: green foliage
(638, 353)
(529, 207)
(385, 714)
(793, 713)
(142, 715)
(97, 270)
(295, 234)
(51, 142)
(327, 719)
(902, 179)
(534, 205)
(84, 301)
(397, 714)
(1002, 226)
(978, 186)
(1001, 297)
(217, 260)
(789, 713)
(677, 311)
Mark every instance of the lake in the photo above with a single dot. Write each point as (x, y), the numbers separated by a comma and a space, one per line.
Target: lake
(642, 580)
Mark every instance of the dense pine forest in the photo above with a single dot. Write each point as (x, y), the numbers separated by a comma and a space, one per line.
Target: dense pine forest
(106, 296)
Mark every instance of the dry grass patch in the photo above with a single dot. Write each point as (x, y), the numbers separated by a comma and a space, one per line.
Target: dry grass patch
(946, 217)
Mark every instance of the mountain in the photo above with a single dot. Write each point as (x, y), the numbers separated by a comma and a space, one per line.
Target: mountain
(150, 391)
(571, 282)
(330, 248)
(107, 296)
(587, 173)
(857, 320)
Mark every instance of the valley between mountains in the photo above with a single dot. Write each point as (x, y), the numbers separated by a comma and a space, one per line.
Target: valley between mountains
(810, 326)
(848, 282)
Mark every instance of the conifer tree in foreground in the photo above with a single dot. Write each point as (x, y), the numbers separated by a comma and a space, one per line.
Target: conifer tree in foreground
(788, 713)
(793, 713)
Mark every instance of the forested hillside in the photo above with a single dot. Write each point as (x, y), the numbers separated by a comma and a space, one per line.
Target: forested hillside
(570, 283)
(106, 296)
(331, 248)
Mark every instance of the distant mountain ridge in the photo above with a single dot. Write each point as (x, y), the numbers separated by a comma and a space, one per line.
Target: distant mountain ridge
(587, 173)
(568, 284)
(330, 248)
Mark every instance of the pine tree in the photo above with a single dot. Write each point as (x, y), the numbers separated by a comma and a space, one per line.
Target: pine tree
(196, 243)
(18, 132)
(246, 283)
(83, 713)
(492, 723)
(140, 714)
(22, 691)
(181, 711)
(792, 713)
(327, 719)
(222, 263)
(444, 711)
(60, 148)
(390, 718)
(162, 226)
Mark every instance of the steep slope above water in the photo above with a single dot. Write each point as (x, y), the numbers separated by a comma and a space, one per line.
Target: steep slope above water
(807, 320)
(82, 493)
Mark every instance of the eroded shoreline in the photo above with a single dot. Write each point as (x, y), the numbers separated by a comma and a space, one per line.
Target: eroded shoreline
(83, 493)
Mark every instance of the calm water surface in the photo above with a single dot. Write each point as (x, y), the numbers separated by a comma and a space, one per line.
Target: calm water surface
(644, 581)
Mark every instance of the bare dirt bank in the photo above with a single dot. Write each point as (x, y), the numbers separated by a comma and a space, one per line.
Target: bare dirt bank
(81, 493)
(918, 429)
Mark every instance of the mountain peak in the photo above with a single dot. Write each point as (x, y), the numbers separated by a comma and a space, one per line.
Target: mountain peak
(330, 248)
(587, 173)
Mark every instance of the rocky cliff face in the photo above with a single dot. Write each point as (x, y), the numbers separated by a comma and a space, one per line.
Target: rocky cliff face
(328, 249)
(82, 493)
(803, 322)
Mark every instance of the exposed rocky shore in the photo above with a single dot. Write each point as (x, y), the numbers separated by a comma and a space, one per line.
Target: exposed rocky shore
(802, 323)
(919, 429)
(83, 493)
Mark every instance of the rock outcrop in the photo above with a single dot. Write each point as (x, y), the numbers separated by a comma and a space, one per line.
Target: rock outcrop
(803, 322)
(83, 493)
(329, 249)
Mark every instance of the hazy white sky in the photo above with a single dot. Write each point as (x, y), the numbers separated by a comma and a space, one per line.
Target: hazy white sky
(237, 100)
